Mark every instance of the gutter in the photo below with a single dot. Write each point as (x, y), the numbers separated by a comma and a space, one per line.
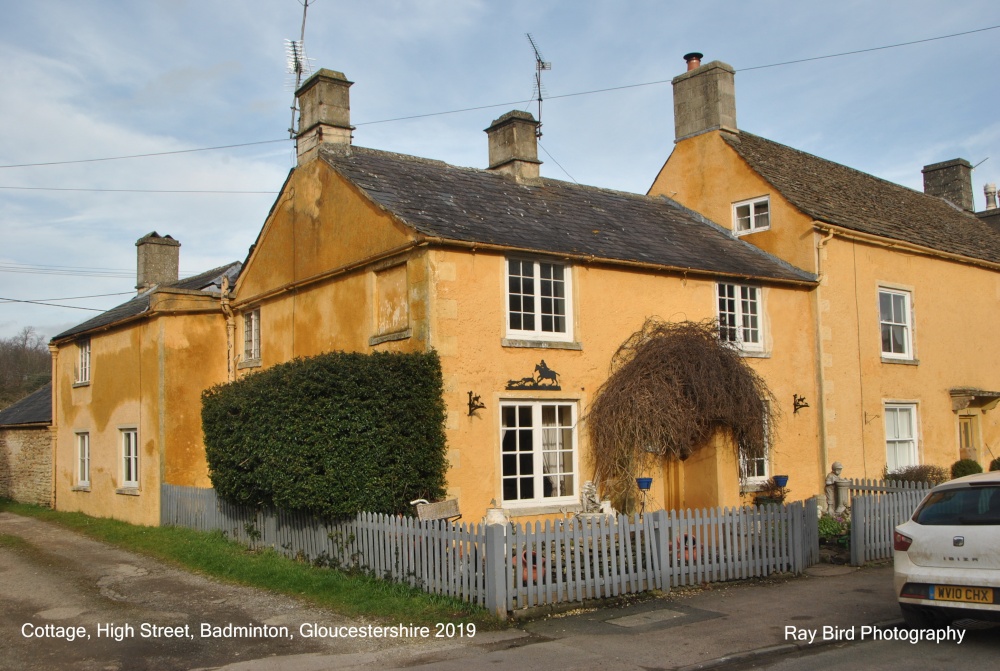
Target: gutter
(882, 241)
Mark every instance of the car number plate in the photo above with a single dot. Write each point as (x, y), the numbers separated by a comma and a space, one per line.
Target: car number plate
(963, 594)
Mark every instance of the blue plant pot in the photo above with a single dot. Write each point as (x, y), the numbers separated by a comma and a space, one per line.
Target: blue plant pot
(781, 480)
(644, 483)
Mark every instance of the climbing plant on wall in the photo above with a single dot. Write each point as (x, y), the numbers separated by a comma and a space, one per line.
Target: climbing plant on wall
(672, 387)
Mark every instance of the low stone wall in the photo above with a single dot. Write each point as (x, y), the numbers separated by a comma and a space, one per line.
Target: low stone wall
(26, 465)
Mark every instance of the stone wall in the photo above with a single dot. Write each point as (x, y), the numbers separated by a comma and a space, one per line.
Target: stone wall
(26, 465)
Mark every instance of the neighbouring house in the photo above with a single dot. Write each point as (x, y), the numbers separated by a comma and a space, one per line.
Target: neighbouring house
(26, 449)
(902, 325)
(127, 386)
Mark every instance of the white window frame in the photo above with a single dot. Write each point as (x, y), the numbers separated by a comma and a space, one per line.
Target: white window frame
(83, 361)
(898, 439)
(538, 452)
(906, 324)
(130, 458)
(758, 216)
(83, 459)
(764, 461)
(538, 267)
(251, 335)
(740, 314)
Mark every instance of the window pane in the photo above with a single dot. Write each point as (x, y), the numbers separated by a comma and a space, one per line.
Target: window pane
(743, 218)
(761, 215)
(885, 306)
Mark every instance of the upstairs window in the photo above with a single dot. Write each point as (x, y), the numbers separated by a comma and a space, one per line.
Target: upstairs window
(538, 300)
(740, 316)
(83, 362)
(894, 322)
(750, 216)
(251, 335)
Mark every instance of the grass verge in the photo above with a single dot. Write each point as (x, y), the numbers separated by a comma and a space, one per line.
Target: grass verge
(212, 554)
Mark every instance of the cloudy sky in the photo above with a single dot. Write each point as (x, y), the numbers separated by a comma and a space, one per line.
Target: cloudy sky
(89, 79)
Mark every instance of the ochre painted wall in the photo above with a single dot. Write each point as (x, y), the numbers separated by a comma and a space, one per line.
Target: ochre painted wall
(146, 375)
(468, 327)
(953, 309)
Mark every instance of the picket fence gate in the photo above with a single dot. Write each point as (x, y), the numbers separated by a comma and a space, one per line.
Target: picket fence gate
(875, 515)
(508, 567)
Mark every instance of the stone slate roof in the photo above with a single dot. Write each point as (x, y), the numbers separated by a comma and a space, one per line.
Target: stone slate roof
(36, 408)
(209, 281)
(835, 194)
(551, 216)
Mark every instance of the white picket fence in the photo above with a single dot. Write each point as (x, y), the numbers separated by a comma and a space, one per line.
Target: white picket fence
(876, 514)
(509, 567)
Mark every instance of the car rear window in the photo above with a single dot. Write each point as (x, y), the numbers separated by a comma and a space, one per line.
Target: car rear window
(963, 506)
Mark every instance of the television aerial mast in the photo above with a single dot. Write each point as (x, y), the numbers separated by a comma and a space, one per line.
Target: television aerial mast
(540, 65)
(299, 66)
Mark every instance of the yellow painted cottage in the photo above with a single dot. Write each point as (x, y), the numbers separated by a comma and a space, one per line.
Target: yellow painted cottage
(902, 325)
(525, 286)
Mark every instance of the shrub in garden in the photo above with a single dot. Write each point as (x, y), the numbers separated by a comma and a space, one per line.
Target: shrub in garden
(330, 435)
(995, 464)
(964, 467)
(922, 473)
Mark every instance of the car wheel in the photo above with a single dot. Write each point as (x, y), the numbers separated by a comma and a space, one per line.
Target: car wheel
(918, 617)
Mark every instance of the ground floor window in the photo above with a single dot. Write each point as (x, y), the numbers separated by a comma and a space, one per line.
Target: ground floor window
(900, 436)
(538, 452)
(130, 458)
(83, 459)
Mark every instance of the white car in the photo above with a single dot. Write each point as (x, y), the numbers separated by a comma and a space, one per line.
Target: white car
(947, 556)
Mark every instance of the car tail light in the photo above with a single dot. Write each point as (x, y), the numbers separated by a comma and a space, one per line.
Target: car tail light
(900, 543)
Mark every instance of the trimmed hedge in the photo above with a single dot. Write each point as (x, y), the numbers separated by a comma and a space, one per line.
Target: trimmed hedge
(330, 435)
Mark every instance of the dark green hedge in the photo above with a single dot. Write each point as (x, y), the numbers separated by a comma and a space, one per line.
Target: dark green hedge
(331, 435)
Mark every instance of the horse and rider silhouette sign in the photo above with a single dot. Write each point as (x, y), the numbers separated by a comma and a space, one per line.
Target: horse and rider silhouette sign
(543, 378)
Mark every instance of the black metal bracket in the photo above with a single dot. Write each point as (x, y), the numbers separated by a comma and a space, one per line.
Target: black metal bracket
(474, 404)
(798, 402)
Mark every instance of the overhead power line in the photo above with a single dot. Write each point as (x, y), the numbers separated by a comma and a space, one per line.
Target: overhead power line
(61, 188)
(66, 298)
(52, 305)
(505, 104)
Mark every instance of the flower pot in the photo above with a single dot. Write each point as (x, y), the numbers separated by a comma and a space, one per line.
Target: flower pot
(644, 483)
(781, 480)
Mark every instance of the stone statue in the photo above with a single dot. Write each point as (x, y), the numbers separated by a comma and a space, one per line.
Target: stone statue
(591, 502)
(837, 492)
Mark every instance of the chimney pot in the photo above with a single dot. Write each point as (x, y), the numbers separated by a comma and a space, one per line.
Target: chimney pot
(951, 180)
(991, 196)
(513, 145)
(157, 261)
(325, 113)
(693, 60)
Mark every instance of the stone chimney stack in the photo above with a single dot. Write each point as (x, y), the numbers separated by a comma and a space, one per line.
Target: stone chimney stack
(513, 145)
(325, 113)
(704, 98)
(951, 180)
(158, 258)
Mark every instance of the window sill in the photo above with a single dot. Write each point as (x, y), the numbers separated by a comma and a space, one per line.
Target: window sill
(128, 491)
(905, 362)
(389, 337)
(81, 488)
(81, 383)
(740, 234)
(753, 354)
(544, 509)
(249, 363)
(541, 344)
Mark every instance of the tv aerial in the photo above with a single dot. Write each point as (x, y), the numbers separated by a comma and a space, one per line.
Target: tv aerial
(540, 65)
(299, 65)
